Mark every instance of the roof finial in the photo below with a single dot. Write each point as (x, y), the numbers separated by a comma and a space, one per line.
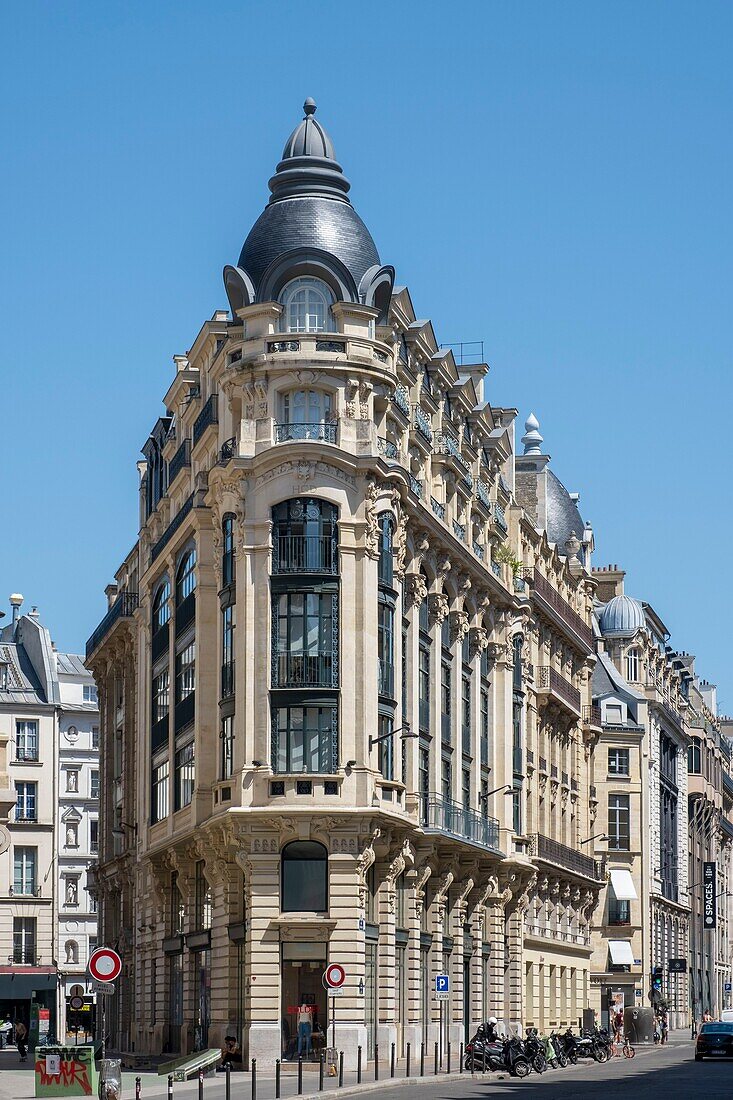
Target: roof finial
(309, 106)
(532, 438)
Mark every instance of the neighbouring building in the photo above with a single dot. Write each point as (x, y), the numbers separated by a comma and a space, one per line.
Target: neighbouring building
(48, 713)
(345, 673)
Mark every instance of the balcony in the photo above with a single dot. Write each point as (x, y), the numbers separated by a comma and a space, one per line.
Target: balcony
(227, 450)
(438, 508)
(171, 529)
(548, 596)
(478, 551)
(482, 493)
(304, 554)
(205, 418)
(437, 815)
(124, 606)
(552, 851)
(592, 716)
(421, 423)
(298, 670)
(319, 433)
(550, 683)
(402, 400)
(180, 460)
(459, 530)
(387, 448)
(415, 486)
(499, 517)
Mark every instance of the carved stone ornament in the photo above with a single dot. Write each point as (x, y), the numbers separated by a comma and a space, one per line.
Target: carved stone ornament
(478, 640)
(352, 392)
(416, 589)
(363, 863)
(437, 607)
(365, 389)
(399, 541)
(372, 519)
(458, 626)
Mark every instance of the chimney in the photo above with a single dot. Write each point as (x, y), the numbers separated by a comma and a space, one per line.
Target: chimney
(16, 601)
(610, 581)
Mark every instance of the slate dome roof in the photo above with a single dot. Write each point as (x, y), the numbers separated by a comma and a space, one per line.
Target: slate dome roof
(563, 518)
(621, 615)
(309, 208)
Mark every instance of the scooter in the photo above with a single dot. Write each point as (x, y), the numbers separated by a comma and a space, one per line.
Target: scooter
(535, 1051)
(557, 1044)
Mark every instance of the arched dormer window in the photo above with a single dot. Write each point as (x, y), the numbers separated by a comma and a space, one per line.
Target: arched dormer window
(304, 877)
(306, 305)
(161, 605)
(186, 576)
(386, 536)
(227, 553)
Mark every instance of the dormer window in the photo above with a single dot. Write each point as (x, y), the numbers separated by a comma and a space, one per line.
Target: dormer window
(307, 306)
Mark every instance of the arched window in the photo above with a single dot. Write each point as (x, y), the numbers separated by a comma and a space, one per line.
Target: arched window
(307, 306)
(694, 759)
(186, 576)
(304, 537)
(227, 562)
(161, 605)
(306, 414)
(304, 877)
(386, 535)
(517, 643)
(632, 666)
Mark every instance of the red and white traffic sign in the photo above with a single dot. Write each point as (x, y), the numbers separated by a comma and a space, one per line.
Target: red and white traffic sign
(334, 976)
(105, 964)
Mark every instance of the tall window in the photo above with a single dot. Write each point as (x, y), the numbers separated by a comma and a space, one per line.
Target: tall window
(186, 576)
(94, 783)
(446, 683)
(423, 776)
(386, 560)
(26, 801)
(424, 674)
(307, 306)
(517, 708)
(694, 759)
(446, 779)
(618, 761)
(186, 671)
(24, 940)
(304, 538)
(307, 407)
(185, 775)
(227, 557)
(202, 899)
(305, 739)
(632, 666)
(24, 870)
(161, 606)
(161, 695)
(386, 746)
(26, 740)
(517, 809)
(227, 747)
(484, 705)
(466, 788)
(305, 638)
(385, 646)
(159, 800)
(466, 709)
(618, 822)
(95, 737)
(93, 834)
(304, 877)
(227, 651)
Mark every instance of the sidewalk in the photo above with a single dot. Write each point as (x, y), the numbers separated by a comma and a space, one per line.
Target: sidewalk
(17, 1081)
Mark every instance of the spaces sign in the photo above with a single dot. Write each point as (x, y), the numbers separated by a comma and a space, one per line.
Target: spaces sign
(709, 891)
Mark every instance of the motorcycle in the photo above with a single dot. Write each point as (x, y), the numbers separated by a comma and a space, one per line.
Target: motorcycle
(583, 1046)
(557, 1044)
(482, 1054)
(535, 1051)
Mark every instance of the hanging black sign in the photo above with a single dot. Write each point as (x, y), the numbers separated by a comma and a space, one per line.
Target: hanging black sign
(709, 892)
(677, 966)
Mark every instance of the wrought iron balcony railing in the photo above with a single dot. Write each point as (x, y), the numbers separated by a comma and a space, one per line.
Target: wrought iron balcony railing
(438, 508)
(421, 422)
(124, 606)
(592, 715)
(205, 418)
(552, 598)
(550, 680)
(171, 529)
(387, 448)
(180, 460)
(402, 399)
(292, 670)
(322, 433)
(450, 818)
(304, 554)
(552, 851)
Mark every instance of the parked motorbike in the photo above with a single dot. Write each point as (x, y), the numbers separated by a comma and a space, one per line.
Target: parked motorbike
(583, 1046)
(535, 1051)
(509, 1055)
(557, 1043)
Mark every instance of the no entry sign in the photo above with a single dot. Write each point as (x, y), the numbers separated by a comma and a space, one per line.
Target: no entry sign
(334, 976)
(105, 964)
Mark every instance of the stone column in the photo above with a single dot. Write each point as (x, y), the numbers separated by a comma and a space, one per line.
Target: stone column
(223, 878)
(413, 1029)
(456, 1023)
(262, 966)
(438, 925)
(346, 906)
(514, 977)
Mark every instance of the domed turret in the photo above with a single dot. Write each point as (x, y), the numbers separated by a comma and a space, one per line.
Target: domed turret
(622, 615)
(308, 217)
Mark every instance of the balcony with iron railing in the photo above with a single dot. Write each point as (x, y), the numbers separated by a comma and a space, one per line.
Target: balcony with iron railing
(478, 551)
(421, 423)
(499, 516)
(227, 450)
(171, 529)
(402, 400)
(415, 485)
(208, 416)
(124, 606)
(387, 448)
(450, 819)
(459, 530)
(546, 594)
(549, 682)
(304, 554)
(438, 508)
(547, 850)
(482, 493)
(301, 670)
(181, 459)
(592, 716)
(319, 433)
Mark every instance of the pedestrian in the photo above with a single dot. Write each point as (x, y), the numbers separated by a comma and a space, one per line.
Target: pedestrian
(230, 1054)
(664, 1028)
(618, 1026)
(6, 1032)
(21, 1040)
(707, 1017)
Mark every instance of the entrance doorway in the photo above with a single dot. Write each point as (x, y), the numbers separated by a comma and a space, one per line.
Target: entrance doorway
(303, 999)
(202, 985)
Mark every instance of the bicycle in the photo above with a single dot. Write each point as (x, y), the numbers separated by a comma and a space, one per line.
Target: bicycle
(624, 1049)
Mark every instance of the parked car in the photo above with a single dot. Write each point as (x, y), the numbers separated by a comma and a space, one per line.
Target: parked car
(714, 1039)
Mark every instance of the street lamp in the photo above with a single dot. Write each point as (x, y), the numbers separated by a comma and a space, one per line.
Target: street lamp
(118, 830)
(596, 836)
(505, 787)
(386, 736)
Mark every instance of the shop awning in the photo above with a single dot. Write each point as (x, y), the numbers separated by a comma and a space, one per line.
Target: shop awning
(623, 885)
(20, 985)
(622, 953)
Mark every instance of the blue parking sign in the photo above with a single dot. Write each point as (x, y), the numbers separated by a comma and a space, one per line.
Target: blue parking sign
(442, 983)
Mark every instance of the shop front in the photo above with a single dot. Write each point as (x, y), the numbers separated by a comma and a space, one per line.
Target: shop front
(304, 1011)
(28, 994)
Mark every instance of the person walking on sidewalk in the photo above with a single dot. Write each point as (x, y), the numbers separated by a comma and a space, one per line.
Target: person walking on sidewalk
(21, 1040)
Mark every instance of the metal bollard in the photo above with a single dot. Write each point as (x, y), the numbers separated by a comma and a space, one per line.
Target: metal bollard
(228, 1081)
(407, 1060)
(435, 1060)
(391, 1061)
(170, 1086)
(300, 1074)
(448, 1067)
(277, 1079)
(254, 1079)
(358, 1065)
(341, 1069)
(376, 1061)
(460, 1064)
(201, 1084)
(320, 1072)
(138, 1087)
(422, 1059)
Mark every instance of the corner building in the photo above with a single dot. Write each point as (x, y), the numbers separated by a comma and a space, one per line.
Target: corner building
(334, 669)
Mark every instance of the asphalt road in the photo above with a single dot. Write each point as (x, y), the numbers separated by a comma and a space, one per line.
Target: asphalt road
(670, 1073)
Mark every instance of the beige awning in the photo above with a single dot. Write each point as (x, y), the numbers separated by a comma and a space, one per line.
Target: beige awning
(622, 953)
(623, 885)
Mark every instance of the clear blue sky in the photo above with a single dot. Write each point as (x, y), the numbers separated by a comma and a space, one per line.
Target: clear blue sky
(551, 178)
